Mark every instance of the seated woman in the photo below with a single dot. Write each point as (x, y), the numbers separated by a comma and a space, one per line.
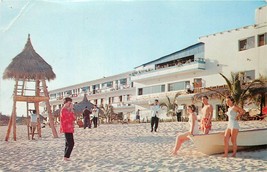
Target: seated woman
(180, 139)
(80, 123)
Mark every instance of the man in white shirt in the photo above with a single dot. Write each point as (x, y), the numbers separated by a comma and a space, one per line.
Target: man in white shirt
(155, 116)
(95, 114)
(33, 123)
(190, 88)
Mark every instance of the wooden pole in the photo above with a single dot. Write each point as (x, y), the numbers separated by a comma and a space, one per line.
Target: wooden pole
(14, 116)
(36, 105)
(28, 121)
(48, 107)
(9, 128)
(12, 120)
(14, 113)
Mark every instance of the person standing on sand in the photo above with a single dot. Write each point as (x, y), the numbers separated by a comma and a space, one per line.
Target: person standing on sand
(233, 113)
(95, 115)
(193, 129)
(155, 116)
(206, 111)
(67, 119)
(33, 123)
(137, 117)
(86, 118)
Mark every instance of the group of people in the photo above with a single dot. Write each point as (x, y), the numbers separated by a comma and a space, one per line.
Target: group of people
(89, 116)
(234, 112)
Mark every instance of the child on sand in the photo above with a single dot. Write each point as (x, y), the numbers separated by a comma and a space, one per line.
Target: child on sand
(180, 139)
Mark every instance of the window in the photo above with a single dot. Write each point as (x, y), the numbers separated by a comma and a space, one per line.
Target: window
(247, 43)
(67, 92)
(123, 81)
(197, 82)
(151, 90)
(52, 96)
(85, 89)
(96, 87)
(103, 85)
(107, 84)
(246, 76)
(249, 75)
(177, 86)
(140, 91)
(262, 39)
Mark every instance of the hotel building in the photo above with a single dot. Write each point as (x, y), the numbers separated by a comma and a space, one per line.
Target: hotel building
(239, 50)
(114, 90)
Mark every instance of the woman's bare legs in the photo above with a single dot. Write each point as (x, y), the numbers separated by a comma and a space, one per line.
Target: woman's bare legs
(179, 141)
(227, 135)
(206, 130)
(234, 133)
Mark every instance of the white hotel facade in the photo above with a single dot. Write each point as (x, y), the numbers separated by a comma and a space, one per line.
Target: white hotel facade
(238, 50)
(115, 90)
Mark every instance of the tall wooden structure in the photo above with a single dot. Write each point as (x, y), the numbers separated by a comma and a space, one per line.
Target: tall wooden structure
(29, 69)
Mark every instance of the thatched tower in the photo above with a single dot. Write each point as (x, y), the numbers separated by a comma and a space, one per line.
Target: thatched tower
(29, 69)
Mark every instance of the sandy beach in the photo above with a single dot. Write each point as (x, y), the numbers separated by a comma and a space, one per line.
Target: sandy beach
(123, 147)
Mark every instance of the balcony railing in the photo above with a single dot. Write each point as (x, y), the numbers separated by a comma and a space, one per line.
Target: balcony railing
(98, 91)
(172, 70)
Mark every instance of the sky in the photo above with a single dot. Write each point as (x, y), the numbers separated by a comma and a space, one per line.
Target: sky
(87, 40)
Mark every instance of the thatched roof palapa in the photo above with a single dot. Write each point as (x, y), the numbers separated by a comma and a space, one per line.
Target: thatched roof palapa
(29, 65)
(79, 107)
(212, 93)
(223, 91)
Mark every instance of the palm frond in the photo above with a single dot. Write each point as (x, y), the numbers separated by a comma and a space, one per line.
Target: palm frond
(176, 96)
(215, 90)
(254, 82)
(228, 82)
(163, 104)
(169, 100)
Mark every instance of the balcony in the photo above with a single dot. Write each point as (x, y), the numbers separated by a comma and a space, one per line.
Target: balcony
(185, 68)
(126, 89)
(145, 100)
(122, 107)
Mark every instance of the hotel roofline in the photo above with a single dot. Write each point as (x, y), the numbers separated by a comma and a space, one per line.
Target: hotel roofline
(228, 31)
(92, 81)
(176, 52)
(237, 29)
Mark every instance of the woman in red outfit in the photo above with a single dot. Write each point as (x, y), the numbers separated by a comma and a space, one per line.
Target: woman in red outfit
(67, 119)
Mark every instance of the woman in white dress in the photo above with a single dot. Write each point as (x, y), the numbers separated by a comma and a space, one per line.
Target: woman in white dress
(193, 129)
(233, 113)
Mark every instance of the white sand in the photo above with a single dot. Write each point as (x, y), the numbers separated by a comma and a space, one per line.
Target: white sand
(127, 147)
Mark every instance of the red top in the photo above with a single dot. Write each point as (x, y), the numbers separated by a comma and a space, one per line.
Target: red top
(67, 119)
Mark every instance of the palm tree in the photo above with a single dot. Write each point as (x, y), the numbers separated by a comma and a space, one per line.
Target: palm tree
(171, 105)
(107, 111)
(239, 91)
(258, 93)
